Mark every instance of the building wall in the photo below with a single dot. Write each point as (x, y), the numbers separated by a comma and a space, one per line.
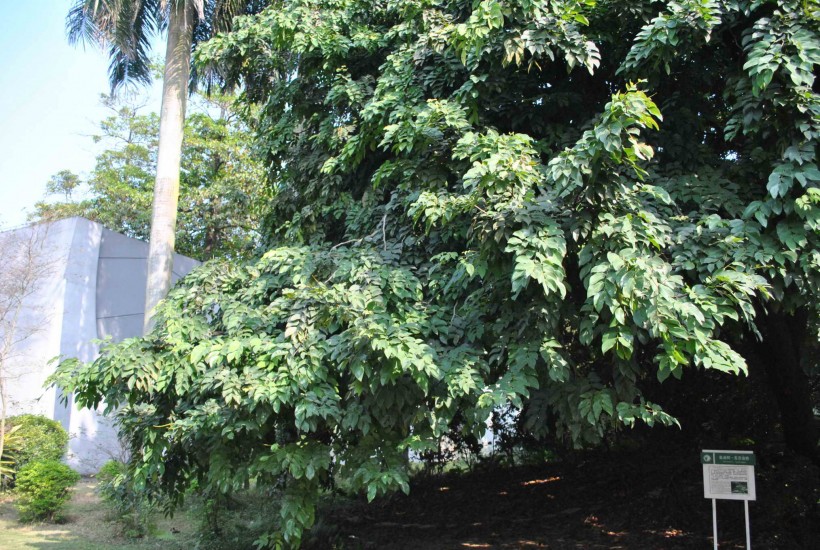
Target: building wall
(39, 327)
(92, 440)
(95, 289)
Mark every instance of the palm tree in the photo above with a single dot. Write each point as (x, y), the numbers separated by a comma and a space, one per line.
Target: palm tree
(126, 27)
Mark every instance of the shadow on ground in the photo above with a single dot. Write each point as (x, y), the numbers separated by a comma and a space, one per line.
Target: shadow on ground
(637, 500)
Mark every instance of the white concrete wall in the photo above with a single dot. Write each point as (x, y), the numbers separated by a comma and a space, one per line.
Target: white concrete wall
(92, 438)
(121, 276)
(38, 330)
(95, 288)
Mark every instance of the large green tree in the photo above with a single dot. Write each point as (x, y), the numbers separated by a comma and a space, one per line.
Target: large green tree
(220, 185)
(126, 28)
(476, 204)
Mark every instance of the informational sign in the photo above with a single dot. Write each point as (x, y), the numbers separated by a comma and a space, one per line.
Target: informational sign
(728, 475)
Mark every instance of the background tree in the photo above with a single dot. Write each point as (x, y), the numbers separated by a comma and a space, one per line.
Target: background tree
(63, 182)
(217, 217)
(126, 28)
(552, 206)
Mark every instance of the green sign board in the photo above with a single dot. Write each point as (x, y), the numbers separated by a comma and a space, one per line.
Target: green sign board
(736, 458)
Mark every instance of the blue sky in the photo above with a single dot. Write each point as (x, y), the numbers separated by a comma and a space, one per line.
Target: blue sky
(49, 102)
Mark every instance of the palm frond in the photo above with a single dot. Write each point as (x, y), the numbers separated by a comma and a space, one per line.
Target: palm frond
(224, 12)
(219, 16)
(11, 443)
(125, 27)
(81, 26)
(199, 6)
(130, 40)
(124, 70)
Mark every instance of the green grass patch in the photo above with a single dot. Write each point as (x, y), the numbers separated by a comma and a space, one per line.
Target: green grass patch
(88, 527)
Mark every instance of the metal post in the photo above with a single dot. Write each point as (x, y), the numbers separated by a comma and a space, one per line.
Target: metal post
(714, 522)
(748, 528)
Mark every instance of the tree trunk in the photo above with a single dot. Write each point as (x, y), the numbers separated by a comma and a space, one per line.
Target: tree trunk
(780, 352)
(166, 188)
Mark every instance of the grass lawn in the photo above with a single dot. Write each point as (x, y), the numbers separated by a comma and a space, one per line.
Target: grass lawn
(88, 528)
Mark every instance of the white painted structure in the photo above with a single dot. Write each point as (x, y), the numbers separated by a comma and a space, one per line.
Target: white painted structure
(93, 287)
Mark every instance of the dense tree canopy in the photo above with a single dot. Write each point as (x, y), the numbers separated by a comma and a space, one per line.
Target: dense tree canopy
(478, 204)
(220, 186)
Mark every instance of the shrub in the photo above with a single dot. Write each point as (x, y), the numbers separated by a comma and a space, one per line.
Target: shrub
(39, 439)
(43, 490)
(132, 509)
(233, 521)
(108, 473)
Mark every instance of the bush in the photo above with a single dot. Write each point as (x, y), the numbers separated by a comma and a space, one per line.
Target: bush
(43, 490)
(108, 473)
(39, 439)
(233, 521)
(133, 510)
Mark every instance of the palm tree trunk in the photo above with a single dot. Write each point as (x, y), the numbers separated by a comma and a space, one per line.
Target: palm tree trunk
(166, 188)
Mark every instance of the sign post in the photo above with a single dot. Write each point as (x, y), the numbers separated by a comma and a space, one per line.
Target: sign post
(729, 475)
